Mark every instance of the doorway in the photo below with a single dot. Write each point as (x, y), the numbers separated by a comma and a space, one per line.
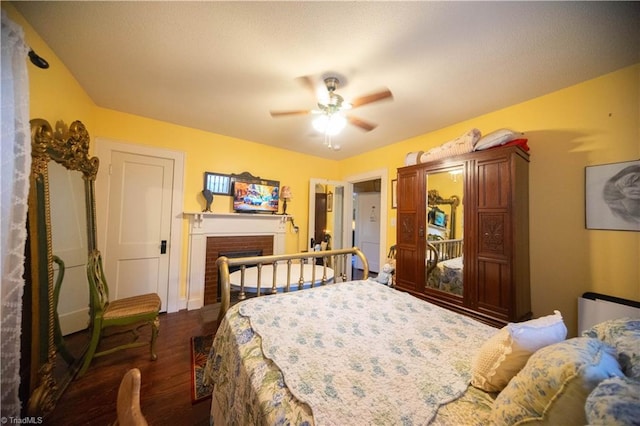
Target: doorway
(366, 223)
(139, 202)
(359, 183)
(341, 222)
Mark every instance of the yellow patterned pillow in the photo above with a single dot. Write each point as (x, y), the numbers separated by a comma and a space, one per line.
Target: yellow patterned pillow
(503, 355)
(553, 387)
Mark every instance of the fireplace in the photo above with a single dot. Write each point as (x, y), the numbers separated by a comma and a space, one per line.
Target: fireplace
(212, 233)
(239, 246)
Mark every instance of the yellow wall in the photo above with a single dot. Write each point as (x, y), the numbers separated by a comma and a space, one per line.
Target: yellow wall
(54, 93)
(591, 123)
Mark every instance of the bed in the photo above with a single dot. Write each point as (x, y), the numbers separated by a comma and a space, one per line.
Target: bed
(362, 351)
(444, 265)
(388, 342)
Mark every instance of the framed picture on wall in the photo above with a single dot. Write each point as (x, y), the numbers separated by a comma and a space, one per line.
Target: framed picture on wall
(612, 196)
(394, 194)
(330, 201)
(217, 183)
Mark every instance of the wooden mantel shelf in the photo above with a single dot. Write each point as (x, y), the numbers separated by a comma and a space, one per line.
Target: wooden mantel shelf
(199, 217)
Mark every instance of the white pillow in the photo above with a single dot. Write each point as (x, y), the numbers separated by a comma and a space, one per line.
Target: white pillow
(503, 355)
(496, 138)
(412, 158)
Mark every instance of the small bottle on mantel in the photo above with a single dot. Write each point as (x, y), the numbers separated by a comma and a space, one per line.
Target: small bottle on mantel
(313, 243)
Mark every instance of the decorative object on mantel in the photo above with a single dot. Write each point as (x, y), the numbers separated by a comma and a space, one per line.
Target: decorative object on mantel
(208, 197)
(612, 193)
(285, 194)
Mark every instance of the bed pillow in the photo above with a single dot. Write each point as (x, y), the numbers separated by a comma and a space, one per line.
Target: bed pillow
(624, 335)
(614, 402)
(554, 385)
(503, 355)
(460, 145)
(496, 138)
(412, 158)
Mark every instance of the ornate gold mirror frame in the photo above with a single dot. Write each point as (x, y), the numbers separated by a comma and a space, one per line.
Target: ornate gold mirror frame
(434, 199)
(68, 146)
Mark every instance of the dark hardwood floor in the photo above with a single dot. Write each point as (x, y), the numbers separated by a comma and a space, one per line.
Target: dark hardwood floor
(165, 396)
(166, 382)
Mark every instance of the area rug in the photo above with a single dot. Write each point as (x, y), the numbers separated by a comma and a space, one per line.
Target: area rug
(200, 346)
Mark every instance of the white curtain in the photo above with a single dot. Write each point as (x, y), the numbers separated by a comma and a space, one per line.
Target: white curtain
(15, 158)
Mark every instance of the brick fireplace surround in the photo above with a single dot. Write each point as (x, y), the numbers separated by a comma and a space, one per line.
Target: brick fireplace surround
(212, 233)
(237, 244)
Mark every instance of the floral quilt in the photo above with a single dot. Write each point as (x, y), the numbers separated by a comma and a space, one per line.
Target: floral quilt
(448, 276)
(356, 350)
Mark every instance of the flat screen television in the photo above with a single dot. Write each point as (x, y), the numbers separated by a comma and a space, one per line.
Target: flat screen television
(256, 197)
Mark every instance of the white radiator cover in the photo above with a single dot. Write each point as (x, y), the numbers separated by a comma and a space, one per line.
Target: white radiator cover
(593, 310)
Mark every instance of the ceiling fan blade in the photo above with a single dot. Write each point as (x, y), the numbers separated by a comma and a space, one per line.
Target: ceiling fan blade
(364, 125)
(374, 97)
(307, 81)
(294, 112)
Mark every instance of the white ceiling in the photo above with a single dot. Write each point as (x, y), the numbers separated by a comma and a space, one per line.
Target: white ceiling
(223, 66)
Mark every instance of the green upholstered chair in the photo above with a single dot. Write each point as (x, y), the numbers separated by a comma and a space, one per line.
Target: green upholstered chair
(127, 315)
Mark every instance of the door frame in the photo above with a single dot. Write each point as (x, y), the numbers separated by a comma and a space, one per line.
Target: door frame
(312, 208)
(104, 149)
(383, 175)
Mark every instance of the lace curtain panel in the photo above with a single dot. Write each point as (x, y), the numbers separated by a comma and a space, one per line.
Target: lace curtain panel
(15, 157)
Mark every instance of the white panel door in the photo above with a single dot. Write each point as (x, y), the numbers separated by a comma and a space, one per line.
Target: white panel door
(139, 212)
(368, 228)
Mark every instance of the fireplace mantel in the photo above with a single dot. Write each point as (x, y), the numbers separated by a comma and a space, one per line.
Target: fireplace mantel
(206, 224)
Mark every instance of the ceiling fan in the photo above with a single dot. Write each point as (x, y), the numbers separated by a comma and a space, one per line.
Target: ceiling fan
(334, 104)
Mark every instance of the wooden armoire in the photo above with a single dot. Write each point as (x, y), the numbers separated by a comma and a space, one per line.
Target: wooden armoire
(494, 227)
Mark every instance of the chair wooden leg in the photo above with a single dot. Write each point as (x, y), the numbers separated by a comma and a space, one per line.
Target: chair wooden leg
(93, 345)
(155, 329)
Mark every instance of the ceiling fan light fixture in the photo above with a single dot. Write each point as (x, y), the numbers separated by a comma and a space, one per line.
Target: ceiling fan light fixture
(330, 124)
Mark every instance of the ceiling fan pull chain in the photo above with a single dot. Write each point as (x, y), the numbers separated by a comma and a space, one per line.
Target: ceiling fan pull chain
(327, 140)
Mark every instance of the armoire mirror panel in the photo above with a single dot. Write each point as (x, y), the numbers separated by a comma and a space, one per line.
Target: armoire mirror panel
(61, 233)
(445, 230)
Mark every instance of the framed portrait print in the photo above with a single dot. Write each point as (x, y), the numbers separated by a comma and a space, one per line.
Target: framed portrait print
(394, 194)
(612, 196)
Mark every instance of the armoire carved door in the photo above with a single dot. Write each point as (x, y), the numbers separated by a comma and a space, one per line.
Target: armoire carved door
(493, 281)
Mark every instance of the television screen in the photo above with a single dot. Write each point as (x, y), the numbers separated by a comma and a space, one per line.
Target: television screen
(251, 197)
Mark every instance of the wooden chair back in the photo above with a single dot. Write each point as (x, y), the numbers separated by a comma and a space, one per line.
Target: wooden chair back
(98, 288)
